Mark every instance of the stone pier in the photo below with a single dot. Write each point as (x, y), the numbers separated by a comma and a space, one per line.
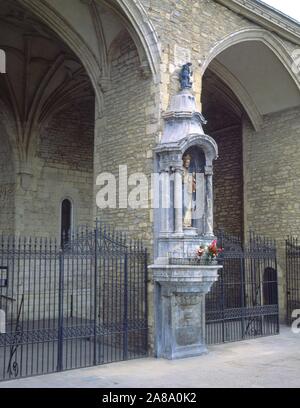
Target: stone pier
(180, 309)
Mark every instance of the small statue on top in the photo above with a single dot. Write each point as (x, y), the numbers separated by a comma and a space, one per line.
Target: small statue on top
(185, 77)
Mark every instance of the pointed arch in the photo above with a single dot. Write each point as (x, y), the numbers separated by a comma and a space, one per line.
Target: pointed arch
(240, 92)
(253, 34)
(135, 20)
(142, 31)
(63, 29)
(245, 36)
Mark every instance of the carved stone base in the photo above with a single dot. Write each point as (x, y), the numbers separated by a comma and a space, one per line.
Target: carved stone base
(190, 231)
(180, 309)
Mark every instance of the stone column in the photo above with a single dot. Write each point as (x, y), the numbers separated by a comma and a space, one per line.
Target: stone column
(178, 200)
(209, 216)
(165, 201)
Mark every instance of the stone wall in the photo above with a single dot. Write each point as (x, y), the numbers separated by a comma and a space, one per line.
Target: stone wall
(195, 27)
(68, 138)
(63, 169)
(272, 181)
(126, 136)
(228, 181)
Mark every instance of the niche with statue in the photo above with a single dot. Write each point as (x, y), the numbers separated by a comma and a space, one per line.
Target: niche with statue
(193, 190)
(185, 158)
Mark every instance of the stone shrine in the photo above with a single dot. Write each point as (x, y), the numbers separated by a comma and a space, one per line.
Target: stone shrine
(185, 158)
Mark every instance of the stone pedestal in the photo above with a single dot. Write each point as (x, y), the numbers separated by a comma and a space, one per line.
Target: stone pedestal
(180, 308)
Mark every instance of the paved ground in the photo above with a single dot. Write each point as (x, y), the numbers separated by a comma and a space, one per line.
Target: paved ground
(267, 362)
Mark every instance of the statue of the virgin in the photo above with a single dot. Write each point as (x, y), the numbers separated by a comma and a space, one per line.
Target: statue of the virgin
(189, 191)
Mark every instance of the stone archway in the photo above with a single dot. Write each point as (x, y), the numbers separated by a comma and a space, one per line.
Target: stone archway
(48, 112)
(142, 32)
(134, 18)
(251, 100)
(50, 16)
(253, 34)
(247, 78)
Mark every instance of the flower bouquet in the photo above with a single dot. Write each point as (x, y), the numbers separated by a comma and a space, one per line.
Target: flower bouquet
(208, 254)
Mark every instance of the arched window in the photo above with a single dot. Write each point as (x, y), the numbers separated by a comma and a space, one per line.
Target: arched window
(66, 221)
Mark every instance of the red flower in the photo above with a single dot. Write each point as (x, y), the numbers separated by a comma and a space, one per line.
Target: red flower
(213, 250)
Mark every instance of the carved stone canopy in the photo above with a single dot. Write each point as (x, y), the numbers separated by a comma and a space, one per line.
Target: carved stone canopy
(171, 153)
(183, 129)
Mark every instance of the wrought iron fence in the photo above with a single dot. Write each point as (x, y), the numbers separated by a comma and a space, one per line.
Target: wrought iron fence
(79, 306)
(292, 277)
(243, 303)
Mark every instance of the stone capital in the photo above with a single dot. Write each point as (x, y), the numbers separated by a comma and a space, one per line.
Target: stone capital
(164, 169)
(104, 83)
(177, 169)
(208, 170)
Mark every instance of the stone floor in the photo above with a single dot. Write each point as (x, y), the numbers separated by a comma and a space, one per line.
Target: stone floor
(266, 362)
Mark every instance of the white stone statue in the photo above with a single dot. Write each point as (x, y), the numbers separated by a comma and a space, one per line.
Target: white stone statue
(209, 203)
(189, 190)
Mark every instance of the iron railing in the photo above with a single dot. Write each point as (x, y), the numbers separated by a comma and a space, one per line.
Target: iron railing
(292, 278)
(79, 306)
(243, 303)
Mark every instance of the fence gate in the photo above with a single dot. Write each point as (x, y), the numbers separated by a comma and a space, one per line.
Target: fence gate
(81, 306)
(292, 278)
(243, 303)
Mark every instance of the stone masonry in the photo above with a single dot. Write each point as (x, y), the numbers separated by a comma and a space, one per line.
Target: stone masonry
(130, 63)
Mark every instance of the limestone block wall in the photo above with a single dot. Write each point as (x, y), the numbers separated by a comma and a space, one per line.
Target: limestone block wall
(189, 29)
(62, 169)
(126, 135)
(228, 181)
(272, 181)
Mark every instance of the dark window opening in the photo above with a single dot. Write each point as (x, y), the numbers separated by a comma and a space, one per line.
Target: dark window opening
(270, 289)
(66, 222)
